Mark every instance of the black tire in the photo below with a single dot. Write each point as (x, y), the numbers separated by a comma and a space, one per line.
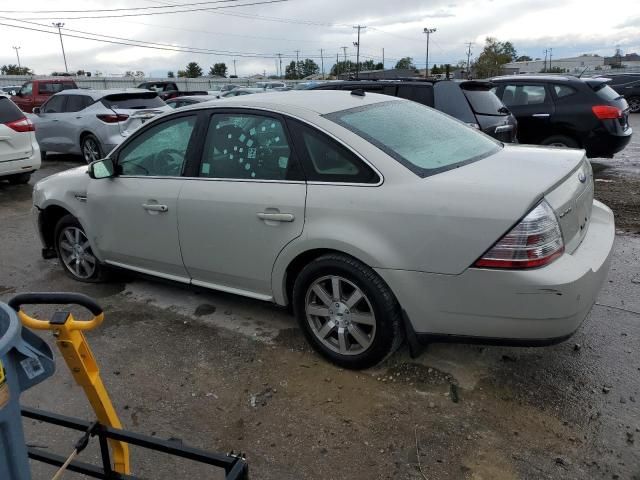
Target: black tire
(561, 141)
(89, 144)
(634, 104)
(19, 179)
(81, 274)
(43, 155)
(388, 334)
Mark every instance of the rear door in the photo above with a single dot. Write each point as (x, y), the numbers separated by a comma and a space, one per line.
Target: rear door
(246, 203)
(49, 126)
(533, 107)
(24, 97)
(13, 145)
(74, 118)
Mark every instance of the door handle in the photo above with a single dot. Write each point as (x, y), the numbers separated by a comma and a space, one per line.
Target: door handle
(541, 115)
(154, 207)
(503, 128)
(276, 217)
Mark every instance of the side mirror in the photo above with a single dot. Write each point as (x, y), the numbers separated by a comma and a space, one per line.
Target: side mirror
(36, 110)
(101, 169)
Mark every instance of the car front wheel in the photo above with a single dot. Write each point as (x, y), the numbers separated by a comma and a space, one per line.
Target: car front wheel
(75, 253)
(347, 312)
(634, 104)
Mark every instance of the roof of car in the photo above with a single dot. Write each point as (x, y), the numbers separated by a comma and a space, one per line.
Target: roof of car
(97, 94)
(544, 78)
(318, 101)
(199, 98)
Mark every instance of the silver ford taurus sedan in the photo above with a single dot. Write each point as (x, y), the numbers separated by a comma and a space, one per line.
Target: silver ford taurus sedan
(376, 219)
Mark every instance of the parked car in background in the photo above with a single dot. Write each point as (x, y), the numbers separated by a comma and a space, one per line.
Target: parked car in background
(236, 92)
(627, 85)
(19, 151)
(470, 101)
(167, 89)
(228, 87)
(567, 111)
(271, 85)
(179, 102)
(34, 93)
(373, 217)
(9, 90)
(93, 122)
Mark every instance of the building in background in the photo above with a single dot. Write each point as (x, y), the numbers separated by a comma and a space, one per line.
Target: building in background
(573, 65)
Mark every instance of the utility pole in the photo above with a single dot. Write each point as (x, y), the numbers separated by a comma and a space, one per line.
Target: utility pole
(280, 57)
(235, 73)
(344, 49)
(297, 64)
(545, 59)
(59, 25)
(337, 66)
(428, 32)
(468, 44)
(550, 54)
(18, 55)
(382, 58)
(322, 62)
(357, 45)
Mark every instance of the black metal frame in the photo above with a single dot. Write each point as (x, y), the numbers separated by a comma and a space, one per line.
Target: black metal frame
(235, 466)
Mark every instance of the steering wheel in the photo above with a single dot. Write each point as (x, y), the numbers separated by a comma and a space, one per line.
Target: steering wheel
(167, 162)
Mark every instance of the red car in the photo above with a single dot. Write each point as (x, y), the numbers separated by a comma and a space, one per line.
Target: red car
(35, 92)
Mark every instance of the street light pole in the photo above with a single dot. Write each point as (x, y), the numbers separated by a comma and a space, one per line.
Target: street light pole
(357, 45)
(59, 25)
(18, 55)
(427, 32)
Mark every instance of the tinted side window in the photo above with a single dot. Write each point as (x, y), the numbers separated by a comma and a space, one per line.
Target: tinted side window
(247, 146)
(519, 95)
(76, 103)
(160, 151)
(563, 90)
(27, 89)
(325, 160)
(49, 88)
(418, 93)
(54, 105)
(9, 112)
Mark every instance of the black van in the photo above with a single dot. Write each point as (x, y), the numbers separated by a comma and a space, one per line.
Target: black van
(471, 101)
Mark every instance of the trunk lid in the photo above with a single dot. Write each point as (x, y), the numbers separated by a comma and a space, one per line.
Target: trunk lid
(136, 118)
(139, 106)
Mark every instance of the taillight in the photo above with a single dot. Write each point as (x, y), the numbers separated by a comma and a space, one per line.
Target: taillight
(536, 241)
(21, 125)
(606, 112)
(112, 117)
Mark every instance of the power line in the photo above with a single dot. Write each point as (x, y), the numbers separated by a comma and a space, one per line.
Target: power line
(177, 5)
(190, 10)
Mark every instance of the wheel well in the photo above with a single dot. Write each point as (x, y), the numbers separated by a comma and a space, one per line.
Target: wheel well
(48, 219)
(301, 261)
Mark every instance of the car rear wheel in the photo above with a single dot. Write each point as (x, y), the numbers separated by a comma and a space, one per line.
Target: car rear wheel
(19, 179)
(634, 104)
(75, 253)
(91, 150)
(347, 312)
(560, 141)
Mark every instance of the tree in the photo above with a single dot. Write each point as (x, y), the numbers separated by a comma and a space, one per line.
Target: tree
(494, 55)
(435, 70)
(170, 74)
(343, 67)
(12, 69)
(405, 63)
(307, 67)
(291, 71)
(193, 70)
(182, 73)
(553, 70)
(524, 58)
(218, 70)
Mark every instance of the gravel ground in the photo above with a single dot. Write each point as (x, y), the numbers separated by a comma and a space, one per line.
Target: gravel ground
(223, 372)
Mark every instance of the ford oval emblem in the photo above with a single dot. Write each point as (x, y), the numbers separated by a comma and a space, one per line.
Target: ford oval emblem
(582, 177)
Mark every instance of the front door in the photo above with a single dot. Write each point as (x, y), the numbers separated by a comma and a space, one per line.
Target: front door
(49, 126)
(532, 105)
(24, 97)
(134, 215)
(246, 205)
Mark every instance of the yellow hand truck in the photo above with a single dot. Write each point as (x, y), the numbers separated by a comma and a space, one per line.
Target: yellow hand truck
(107, 427)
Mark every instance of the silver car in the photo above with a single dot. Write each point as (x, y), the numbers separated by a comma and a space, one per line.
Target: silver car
(376, 218)
(92, 122)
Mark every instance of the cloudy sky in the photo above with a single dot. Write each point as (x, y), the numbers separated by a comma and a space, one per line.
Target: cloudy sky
(253, 34)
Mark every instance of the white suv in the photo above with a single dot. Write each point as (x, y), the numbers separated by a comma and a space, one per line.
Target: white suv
(19, 150)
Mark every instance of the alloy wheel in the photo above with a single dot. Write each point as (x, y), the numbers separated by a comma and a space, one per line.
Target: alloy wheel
(634, 104)
(90, 150)
(340, 315)
(76, 252)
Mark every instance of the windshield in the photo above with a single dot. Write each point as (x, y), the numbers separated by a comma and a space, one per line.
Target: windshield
(422, 139)
(485, 102)
(606, 92)
(133, 101)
